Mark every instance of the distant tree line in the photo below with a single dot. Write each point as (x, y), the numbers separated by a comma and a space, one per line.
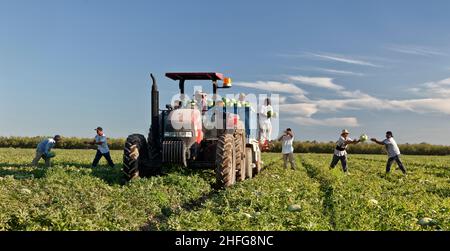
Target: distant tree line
(299, 146)
(365, 148)
(66, 143)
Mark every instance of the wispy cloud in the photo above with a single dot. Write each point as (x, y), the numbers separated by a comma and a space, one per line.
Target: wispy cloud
(331, 71)
(273, 86)
(343, 59)
(321, 82)
(340, 72)
(329, 122)
(416, 50)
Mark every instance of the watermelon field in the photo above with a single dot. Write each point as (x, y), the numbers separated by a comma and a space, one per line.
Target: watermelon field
(73, 196)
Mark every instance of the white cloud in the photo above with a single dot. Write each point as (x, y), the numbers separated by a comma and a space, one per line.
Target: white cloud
(417, 50)
(344, 59)
(437, 89)
(340, 72)
(301, 109)
(321, 82)
(273, 86)
(436, 100)
(428, 105)
(330, 122)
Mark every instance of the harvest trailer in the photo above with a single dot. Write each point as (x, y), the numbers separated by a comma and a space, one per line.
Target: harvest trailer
(178, 136)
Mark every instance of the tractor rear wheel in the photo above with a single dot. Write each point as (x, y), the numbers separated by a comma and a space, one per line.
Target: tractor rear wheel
(239, 140)
(135, 154)
(226, 161)
(248, 163)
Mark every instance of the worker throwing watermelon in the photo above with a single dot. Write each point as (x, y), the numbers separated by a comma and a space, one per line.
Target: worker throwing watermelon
(340, 152)
(392, 150)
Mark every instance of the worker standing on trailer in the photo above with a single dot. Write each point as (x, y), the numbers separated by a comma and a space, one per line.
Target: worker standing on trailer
(202, 101)
(43, 150)
(287, 140)
(265, 115)
(340, 152)
(392, 150)
(102, 148)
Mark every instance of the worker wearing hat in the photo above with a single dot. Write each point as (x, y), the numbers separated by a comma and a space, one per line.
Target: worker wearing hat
(392, 150)
(43, 150)
(201, 99)
(102, 148)
(340, 152)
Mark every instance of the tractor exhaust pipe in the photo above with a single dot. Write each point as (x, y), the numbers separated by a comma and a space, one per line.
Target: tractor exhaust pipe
(155, 113)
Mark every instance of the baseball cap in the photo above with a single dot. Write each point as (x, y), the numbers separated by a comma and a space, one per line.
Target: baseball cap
(57, 137)
(98, 129)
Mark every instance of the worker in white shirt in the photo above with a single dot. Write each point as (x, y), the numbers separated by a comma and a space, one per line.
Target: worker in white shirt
(43, 150)
(287, 140)
(340, 152)
(265, 115)
(392, 150)
(102, 148)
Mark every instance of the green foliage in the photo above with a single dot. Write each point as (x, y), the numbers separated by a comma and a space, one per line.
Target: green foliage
(73, 196)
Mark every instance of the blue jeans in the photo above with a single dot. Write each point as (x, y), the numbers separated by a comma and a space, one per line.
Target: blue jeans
(336, 159)
(399, 163)
(99, 155)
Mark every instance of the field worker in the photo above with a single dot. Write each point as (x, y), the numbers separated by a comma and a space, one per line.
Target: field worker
(43, 150)
(202, 100)
(392, 150)
(287, 139)
(102, 148)
(340, 152)
(177, 104)
(265, 114)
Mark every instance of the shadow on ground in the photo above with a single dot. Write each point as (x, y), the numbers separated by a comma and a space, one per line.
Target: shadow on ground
(20, 172)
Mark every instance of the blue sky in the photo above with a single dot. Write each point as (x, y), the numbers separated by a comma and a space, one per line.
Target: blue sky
(69, 66)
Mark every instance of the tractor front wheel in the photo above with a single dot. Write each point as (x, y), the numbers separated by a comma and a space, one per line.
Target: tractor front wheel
(134, 154)
(226, 161)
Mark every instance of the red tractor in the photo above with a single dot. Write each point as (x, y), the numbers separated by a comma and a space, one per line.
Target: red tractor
(180, 136)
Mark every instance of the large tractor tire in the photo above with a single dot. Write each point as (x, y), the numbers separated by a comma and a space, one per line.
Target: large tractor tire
(153, 166)
(248, 163)
(239, 140)
(226, 161)
(135, 154)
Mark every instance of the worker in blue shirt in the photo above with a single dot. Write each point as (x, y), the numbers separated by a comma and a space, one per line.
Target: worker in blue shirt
(43, 150)
(102, 148)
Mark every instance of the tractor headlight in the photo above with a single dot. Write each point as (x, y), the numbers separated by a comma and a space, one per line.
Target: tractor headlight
(178, 134)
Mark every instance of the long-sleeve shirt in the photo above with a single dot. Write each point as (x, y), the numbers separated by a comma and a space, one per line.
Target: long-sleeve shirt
(46, 145)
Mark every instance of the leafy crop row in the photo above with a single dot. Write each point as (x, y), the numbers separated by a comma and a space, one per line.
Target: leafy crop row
(73, 196)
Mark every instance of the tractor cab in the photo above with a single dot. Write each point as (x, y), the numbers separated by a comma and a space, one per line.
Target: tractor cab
(213, 112)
